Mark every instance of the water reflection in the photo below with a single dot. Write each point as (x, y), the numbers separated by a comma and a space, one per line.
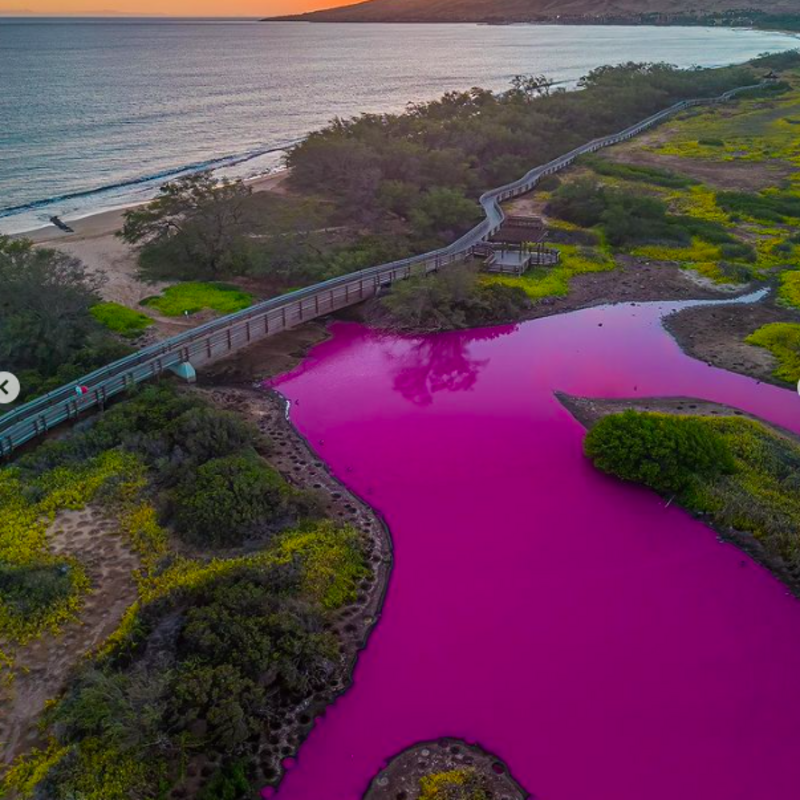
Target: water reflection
(423, 367)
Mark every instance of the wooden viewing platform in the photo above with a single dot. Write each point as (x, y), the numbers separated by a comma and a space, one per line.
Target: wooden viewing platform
(223, 336)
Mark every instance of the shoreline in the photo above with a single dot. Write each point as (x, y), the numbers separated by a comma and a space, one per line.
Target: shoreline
(101, 223)
(590, 410)
(241, 385)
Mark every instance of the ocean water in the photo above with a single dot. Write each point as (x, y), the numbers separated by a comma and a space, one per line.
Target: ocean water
(602, 643)
(95, 114)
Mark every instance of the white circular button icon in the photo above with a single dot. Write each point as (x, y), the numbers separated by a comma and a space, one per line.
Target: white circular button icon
(9, 388)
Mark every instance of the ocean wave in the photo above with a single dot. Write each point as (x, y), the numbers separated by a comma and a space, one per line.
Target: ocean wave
(156, 177)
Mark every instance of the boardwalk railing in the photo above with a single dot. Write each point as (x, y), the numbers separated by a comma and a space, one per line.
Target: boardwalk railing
(226, 334)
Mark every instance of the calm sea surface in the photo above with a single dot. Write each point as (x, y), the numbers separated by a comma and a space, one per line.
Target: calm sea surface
(96, 113)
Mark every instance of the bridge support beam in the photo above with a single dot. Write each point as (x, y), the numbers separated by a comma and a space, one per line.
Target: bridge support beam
(184, 370)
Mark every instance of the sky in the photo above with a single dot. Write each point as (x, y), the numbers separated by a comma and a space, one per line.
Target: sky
(188, 8)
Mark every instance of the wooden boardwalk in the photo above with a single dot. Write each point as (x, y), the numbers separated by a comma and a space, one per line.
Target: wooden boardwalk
(227, 334)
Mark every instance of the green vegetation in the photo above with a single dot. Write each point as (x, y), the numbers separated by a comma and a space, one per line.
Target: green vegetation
(628, 218)
(226, 497)
(48, 335)
(215, 651)
(789, 290)
(454, 784)
(540, 282)
(121, 319)
(636, 173)
(782, 339)
(765, 207)
(450, 299)
(738, 471)
(196, 222)
(670, 454)
(189, 298)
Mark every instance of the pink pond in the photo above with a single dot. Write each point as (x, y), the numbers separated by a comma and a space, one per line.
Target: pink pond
(605, 646)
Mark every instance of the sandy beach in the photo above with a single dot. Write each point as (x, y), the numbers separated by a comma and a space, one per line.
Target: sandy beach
(94, 242)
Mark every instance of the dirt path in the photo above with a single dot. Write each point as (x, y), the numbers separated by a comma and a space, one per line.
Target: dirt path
(44, 665)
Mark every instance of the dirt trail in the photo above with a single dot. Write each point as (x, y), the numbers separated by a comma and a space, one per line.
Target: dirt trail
(44, 665)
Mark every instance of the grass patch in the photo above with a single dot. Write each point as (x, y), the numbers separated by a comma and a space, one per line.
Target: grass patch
(789, 291)
(189, 298)
(121, 319)
(738, 471)
(782, 339)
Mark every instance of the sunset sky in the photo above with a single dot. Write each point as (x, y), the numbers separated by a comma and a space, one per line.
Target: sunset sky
(190, 8)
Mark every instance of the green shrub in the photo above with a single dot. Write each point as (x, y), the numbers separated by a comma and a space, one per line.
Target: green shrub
(450, 299)
(667, 453)
(30, 590)
(633, 172)
(711, 142)
(777, 207)
(549, 183)
(204, 433)
(782, 339)
(121, 319)
(226, 498)
(228, 783)
(628, 218)
(738, 251)
(735, 273)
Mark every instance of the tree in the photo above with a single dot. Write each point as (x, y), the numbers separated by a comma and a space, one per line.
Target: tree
(44, 306)
(443, 210)
(197, 221)
(529, 87)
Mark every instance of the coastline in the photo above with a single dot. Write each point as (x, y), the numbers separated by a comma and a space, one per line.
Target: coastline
(96, 244)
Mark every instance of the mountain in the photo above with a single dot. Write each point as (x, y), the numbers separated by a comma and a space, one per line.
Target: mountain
(504, 11)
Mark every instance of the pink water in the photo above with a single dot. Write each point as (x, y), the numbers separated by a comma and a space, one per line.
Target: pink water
(605, 646)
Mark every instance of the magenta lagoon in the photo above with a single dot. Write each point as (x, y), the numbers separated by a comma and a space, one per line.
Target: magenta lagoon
(607, 647)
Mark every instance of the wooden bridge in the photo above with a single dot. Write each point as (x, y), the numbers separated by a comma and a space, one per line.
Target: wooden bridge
(222, 336)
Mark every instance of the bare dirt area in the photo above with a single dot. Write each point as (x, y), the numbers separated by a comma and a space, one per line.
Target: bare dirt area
(401, 778)
(43, 666)
(632, 281)
(717, 336)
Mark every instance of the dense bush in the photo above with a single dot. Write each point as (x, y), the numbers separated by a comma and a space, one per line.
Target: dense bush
(627, 218)
(453, 298)
(226, 498)
(667, 453)
(774, 207)
(29, 590)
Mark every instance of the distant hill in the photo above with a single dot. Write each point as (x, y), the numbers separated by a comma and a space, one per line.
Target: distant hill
(570, 11)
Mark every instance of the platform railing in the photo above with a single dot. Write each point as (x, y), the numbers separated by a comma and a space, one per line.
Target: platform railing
(224, 335)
